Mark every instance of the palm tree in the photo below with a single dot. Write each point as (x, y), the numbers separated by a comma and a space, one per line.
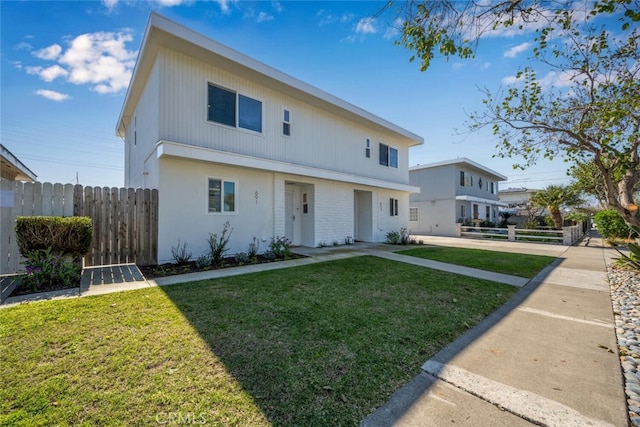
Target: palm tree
(555, 198)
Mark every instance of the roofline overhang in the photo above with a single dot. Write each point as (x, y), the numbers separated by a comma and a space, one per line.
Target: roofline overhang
(165, 149)
(465, 198)
(162, 32)
(15, 166)
(461, 160)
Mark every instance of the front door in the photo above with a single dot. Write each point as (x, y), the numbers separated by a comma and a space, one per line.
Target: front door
(289, 215)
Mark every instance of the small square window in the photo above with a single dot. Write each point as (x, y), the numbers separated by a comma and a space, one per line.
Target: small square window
(413, 214)
(222, 196)
(367, 148)
(286, 123)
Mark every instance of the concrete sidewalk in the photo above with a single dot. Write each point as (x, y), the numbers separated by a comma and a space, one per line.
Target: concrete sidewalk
(548, 357)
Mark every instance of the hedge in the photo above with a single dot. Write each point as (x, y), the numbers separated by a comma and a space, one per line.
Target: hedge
(64, 235)
(611, 225)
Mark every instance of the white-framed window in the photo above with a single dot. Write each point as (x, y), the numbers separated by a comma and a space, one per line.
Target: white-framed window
(286, 122)
(463, 211)
(388, 156)
(227, 107)
(393, 207)
(493, 187)
(367, 148)
(413, 214)
(488, 213)
(221, 196)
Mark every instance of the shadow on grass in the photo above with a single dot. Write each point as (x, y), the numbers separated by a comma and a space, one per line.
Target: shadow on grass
(329, 343)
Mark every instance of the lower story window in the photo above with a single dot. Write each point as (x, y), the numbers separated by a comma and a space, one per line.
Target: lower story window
(413, 214)
(222, 196)
(393, 206)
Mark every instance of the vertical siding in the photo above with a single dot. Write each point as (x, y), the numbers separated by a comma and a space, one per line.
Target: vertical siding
(142, 135)
(318, 138)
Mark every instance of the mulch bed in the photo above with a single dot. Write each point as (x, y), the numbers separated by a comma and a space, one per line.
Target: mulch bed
(171, 269)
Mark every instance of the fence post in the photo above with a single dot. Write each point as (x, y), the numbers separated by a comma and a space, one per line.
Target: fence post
(567, 236)
(458, 229)
(512, 232)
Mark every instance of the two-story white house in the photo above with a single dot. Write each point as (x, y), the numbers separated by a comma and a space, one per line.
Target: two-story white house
(453, 191)
(225, 138)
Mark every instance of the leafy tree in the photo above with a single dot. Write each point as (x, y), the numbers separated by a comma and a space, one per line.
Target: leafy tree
(594, 118)
(556, 198)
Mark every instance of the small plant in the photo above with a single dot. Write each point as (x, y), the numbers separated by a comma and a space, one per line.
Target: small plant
(242, 258)
(218, 246)
(269, 255)
(633, 259)
(281, 247)
(203, 261)
(348, 240)
(336, 243)
(322, 244)
(45, 270)
(254, 246)
(180, 254)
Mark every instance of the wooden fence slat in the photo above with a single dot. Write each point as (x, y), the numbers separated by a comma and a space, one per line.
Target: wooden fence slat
(26, 204)
(78, 200)
(47, 199)
(8, 252)
(67, 200)
(131, 218)
(153, 225)
(58, 200)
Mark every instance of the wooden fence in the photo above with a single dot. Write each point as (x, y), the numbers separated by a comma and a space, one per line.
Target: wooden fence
(125, 220)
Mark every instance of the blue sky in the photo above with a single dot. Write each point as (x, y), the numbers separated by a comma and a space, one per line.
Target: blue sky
(66, 66)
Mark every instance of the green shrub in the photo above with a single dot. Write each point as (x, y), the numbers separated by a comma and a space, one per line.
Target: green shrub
(280, 247)
(46, 270)
(398, 237)
(61, 235)
(611, 225)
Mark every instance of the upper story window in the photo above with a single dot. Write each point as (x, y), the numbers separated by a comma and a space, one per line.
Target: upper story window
(286, 122)
(388, 156)
(466, 180)
(493, 188)
(229, 108)
(222, 196)
(367, 148)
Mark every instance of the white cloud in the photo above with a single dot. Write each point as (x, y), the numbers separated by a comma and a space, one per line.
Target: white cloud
(393, 30)
(100, 60)
(52, 95)
(23, 46)
(17, 64)
(517, 50)
(51, 73)
(263, 17)
(110, 4)
(366, 26)
(224, 5)
(48, 53)
(326, 17)
(510, 80)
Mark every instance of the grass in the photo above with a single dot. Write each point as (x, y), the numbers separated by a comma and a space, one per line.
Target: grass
(323, 344)
(515, 264)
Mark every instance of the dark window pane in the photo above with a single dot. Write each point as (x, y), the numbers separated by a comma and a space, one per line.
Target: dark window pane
(391, 207)
(215, 192)
(229, 196)
(384, 155)
(222, 106)
(250, 113)
(462, 178)
(286, 115)
(286, 129)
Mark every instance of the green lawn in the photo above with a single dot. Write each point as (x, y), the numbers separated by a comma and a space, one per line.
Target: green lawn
(515, 264)
(324, 344)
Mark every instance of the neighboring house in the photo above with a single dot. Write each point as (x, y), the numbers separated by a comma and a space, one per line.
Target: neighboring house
(518, 206)
(12, 169)
(225, 138)
(453, 191)
(516, 198)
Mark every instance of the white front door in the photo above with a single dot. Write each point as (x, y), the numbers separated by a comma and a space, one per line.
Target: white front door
(289, 215)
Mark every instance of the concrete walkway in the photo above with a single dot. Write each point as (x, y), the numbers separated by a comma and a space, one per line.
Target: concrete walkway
(547, 357)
